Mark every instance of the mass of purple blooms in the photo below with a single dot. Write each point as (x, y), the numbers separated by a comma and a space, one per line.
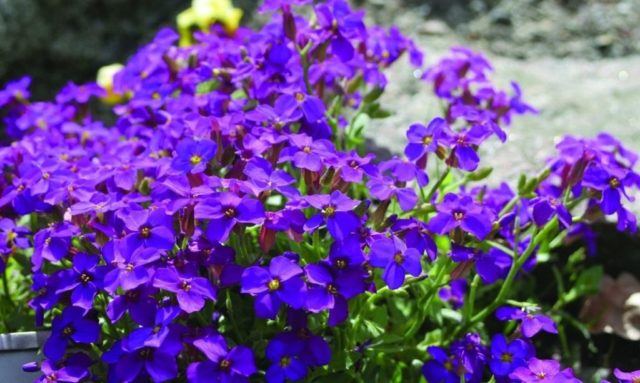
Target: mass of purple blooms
(231, 227)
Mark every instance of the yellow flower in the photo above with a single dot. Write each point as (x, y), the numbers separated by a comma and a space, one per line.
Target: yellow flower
(105, 81)
(203, 13)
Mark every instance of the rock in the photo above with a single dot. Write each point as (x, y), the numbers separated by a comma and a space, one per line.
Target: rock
(434, 27)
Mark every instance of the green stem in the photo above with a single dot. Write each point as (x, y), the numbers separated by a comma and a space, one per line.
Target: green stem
(439, 182)
(305, 65)
(431, 293)
(7, 292)
(468, 312)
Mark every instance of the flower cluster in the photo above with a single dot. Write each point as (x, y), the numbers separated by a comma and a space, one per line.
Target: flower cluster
(228, 225)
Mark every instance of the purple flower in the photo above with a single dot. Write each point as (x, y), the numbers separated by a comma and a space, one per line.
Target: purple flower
(271, 286)
(330, 290)
(311, 107)
(130, 268)
(272, 5)
(225, 211)
(424, 139)
(463, 154)
(52, 243)
(191, 292)
(442, 368)
(627, 377)
(472, 354)
(315, 349)
(193, 156)
(347, 253)
(507, 356)
(393, 255)
(150, 229)
(336, 212)
(84, 279)
(545, 208)
(531, 323)
(150, 349)
(18, 89)
(70, 326)
(79, 93)
(454, 293)
(543, 371)
(286, 363)
(493, 265)
(307, 153)
(384, 188)
(262, 177)
(342, 23)
(139, 302)
(463, 212)
(611, 182)
(223, 365)
(73, 369)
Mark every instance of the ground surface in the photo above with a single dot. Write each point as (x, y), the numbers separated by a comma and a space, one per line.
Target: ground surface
(579, 94)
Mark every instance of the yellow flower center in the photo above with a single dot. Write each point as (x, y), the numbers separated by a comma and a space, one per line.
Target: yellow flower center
(195, 159)
(230, 212)
(186, 286)
(145, 232)
(329, 211)
(85, 278)
(427, 140)
(398, 258)
(274, 284)
(614, 182)
(225, 364)
(285, 361)
(458, 215)
(300, 96)
(506, 357)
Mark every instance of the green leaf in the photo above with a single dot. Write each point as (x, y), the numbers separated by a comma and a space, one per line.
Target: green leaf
(587, 283)
(480, 174)
(207, 87)
(373, 95)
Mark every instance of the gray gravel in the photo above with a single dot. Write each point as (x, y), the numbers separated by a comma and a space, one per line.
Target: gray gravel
(577, 96)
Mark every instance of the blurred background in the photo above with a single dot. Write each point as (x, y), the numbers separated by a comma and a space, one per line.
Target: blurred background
(578, 61)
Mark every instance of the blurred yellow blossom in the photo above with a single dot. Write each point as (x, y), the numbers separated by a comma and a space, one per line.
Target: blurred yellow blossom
(203, 13)
(105, 81)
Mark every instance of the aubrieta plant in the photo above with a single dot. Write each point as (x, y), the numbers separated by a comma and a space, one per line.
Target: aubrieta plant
(231, 226)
